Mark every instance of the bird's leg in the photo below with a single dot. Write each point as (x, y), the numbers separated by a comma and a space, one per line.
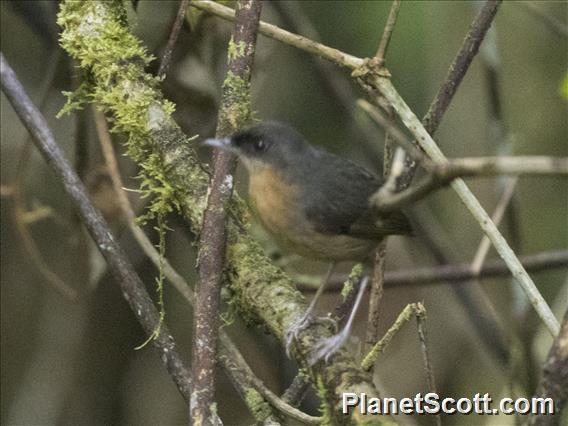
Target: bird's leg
(326, 347)
(307, 318)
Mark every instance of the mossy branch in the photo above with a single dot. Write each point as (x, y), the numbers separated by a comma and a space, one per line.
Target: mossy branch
(96, 34)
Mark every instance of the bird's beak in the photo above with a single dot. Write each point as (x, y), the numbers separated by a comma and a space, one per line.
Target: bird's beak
(223, 143)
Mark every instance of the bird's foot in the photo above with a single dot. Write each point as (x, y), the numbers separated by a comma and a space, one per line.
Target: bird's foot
(324, 348)
(304, 322)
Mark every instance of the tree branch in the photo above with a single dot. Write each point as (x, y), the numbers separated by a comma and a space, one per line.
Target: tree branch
(260, 290)
(539, 262)
(460, 65)
(387, 32)
(235, 112)
(131, 285)
(232, 361)
(336, 56)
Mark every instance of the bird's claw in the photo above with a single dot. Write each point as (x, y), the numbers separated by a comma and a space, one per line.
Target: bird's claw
(323, 349)
(295, 329)
(304, 322)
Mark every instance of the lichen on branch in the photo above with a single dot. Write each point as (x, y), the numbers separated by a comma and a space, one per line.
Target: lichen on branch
(96, 34)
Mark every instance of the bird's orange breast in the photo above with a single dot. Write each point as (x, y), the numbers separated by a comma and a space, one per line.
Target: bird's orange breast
(279, 207)
(274, 200)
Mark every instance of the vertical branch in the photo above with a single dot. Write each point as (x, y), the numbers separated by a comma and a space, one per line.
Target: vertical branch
(378, 277)
(426, 361)
(235, 112)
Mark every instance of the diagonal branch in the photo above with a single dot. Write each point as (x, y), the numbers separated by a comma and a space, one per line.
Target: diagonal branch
(122, 270)
(176, 28)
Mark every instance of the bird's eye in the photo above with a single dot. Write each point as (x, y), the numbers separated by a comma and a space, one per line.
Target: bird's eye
(259, 145)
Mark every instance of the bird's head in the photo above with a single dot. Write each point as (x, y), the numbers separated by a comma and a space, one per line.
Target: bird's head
(269, 144)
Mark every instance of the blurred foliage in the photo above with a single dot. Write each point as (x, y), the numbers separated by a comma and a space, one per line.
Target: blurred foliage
(75, 364)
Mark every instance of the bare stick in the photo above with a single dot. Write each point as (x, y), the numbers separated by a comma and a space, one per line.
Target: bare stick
(485, 244)
(387, 32)
(428, 370)
(166, 58)
(131, 285)
(390, 173)
(539, 262)
(460, 65)
(336, 56)
(235, 112)
(454, 169)
(554, 381)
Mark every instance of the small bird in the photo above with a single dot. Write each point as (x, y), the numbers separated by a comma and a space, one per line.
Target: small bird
(314, 203)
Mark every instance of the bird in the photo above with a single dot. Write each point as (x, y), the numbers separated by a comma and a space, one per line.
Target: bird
(315, 204)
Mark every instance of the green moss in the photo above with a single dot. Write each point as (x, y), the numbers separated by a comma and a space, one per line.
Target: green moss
(97, 36)
(325, 407)
(258, 407)
(236, 110)
(354, 277)
(236, 50)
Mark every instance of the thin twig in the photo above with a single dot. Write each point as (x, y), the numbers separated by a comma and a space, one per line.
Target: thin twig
(272, 31)
(176, 27)
(390, 173)
(485, 244)
(427, 363)
(543, 261)
(406, 315)
(460, 65)
(234, 112)
(132, 287)
(126, 209)
(456, 168)
(387, 32)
